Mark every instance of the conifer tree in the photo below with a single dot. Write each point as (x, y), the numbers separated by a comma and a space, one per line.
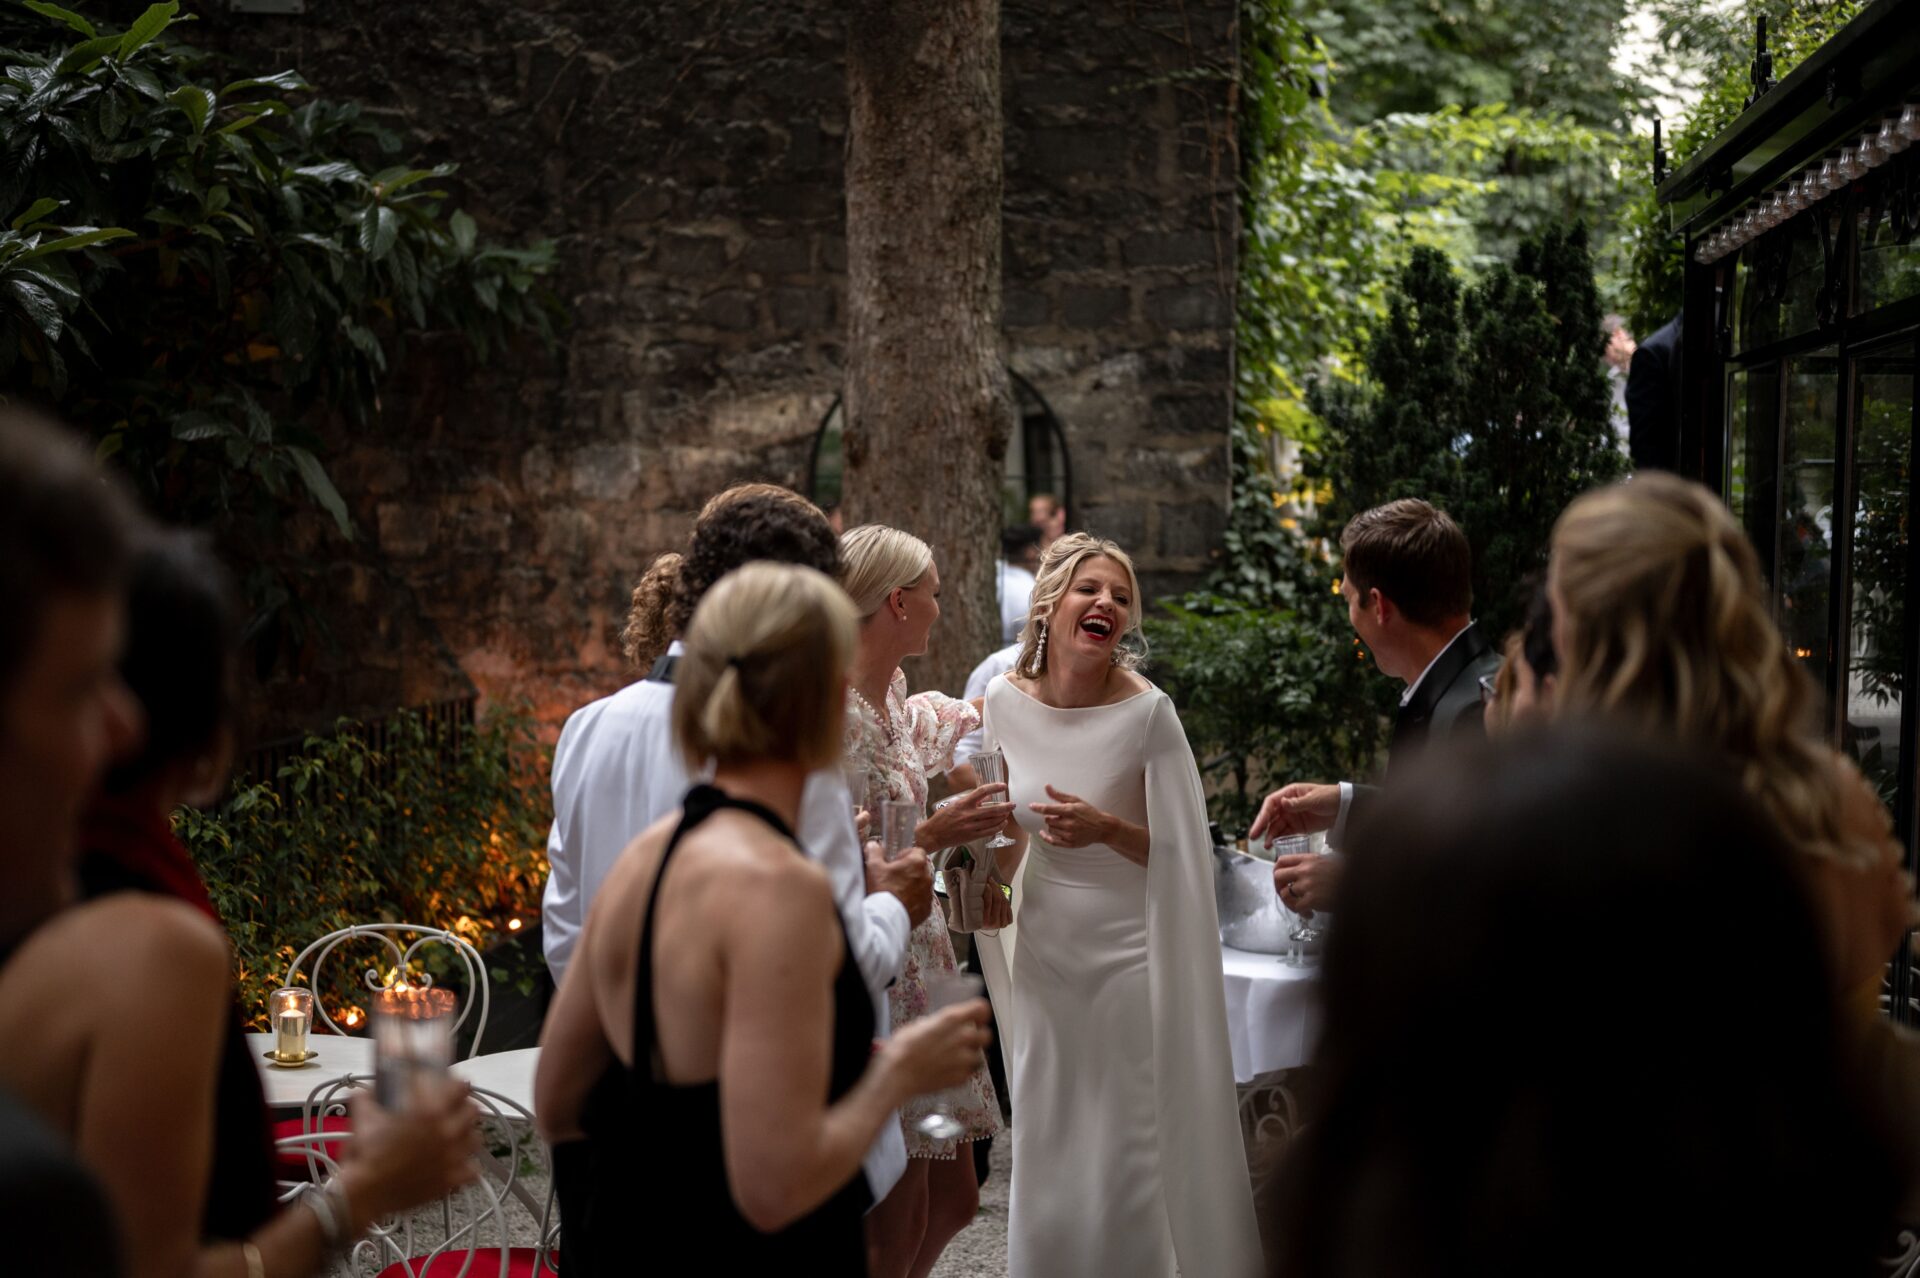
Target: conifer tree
(1489, 402)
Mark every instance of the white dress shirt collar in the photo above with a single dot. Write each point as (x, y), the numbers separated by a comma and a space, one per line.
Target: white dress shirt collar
(1406, 698)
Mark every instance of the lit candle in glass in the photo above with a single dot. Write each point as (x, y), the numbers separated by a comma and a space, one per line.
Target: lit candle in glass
(290, 1012)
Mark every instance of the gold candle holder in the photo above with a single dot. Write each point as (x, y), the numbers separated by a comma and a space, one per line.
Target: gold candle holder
(290, 1013)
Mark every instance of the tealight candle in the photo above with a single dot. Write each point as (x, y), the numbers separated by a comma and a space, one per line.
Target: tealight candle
(291, 1040)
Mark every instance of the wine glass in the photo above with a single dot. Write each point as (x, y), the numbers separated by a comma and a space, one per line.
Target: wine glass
(990, 766)
(899, 818)
(944, 991)
(1305, 933)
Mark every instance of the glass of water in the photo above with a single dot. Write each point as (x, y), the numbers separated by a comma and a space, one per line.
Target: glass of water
(990, 766)
(948, 990)
(1304, 933)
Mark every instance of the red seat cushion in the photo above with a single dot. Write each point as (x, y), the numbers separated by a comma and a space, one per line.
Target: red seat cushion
(291, 1164)
(486, 1264)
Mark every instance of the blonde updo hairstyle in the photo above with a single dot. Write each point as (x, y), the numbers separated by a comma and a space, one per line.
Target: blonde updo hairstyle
(1058, 568)
(876, 560)
(1664, 626)
(764, 672)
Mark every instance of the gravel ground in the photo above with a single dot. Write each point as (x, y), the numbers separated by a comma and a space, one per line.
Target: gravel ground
(980, 1251)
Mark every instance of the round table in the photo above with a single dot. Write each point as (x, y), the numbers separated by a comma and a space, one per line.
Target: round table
(335, 1056)
(505, 1074)
(1273, 1012)
(1273, 1020)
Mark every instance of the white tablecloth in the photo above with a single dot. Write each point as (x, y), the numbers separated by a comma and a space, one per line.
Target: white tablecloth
(1273, 1012)
(508, 1074)
(289, 1086)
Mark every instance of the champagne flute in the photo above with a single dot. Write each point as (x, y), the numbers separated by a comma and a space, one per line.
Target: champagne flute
(990, 766)
(943, 991)
(899, 818)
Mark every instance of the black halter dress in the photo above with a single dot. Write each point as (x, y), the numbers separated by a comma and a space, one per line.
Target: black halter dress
(651, 1171)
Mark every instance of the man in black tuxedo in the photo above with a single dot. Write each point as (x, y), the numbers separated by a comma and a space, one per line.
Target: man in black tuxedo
(1653, 400)
(1409, 590)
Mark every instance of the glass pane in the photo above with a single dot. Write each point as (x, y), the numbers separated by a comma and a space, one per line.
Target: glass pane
(1876, 623)
(1753, 455)
(1806, 518)
(1775, 286)
(1889, 270)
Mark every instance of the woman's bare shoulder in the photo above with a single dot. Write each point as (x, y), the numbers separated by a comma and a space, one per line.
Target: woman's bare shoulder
(127, 931)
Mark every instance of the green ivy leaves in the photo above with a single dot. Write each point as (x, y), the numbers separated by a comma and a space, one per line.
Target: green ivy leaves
(199, 271)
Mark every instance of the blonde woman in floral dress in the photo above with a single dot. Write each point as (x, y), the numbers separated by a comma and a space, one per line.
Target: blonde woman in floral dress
(900, 741)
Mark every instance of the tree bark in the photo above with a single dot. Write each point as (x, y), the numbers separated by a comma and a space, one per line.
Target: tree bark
(929, 409)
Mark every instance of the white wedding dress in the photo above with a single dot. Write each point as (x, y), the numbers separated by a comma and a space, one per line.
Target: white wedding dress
(1127, 1155)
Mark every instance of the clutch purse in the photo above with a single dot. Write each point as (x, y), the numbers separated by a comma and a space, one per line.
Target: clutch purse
(965, 874)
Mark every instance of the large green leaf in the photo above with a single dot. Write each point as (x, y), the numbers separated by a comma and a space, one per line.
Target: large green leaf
(147, 26)
(37, 210)
(465, 233)
(78, 237)
(87, 53)
(284, 81)
(315, 477)
(378, 227)
(55, 12)
(196, 102)
(35, 303)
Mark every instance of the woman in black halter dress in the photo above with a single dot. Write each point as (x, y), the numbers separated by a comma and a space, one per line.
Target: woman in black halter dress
(731, 1111)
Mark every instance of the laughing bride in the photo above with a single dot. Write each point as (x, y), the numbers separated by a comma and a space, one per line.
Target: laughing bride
(1127, 1156)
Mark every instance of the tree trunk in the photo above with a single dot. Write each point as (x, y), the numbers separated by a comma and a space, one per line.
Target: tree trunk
(928, 406)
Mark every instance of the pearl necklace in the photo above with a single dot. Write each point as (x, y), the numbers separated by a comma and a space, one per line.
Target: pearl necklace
(886, 727)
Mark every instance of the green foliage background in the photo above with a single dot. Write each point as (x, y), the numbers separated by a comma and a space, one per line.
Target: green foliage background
(205, 268)
(445, 830)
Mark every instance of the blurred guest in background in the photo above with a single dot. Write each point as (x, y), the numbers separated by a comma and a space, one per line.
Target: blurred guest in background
(1617, 354)
(1019, 556)
(1049, 514)
(1523, 691)
(1661, 623)
(1495, 1100)
(1653, 400)
(65, 536)
(177, 1130)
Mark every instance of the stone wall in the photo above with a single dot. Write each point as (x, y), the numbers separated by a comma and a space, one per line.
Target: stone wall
(687, 156)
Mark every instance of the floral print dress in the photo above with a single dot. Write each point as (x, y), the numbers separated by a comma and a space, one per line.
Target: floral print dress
(916, 739)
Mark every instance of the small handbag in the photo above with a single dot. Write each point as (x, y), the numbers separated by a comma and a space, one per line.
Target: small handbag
(967, 873)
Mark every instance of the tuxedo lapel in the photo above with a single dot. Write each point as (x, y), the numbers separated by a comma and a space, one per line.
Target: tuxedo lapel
(1410, 724)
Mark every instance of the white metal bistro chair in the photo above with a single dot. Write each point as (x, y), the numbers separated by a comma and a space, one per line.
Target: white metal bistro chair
(468, 1234)
(313, 960)
(399, 946)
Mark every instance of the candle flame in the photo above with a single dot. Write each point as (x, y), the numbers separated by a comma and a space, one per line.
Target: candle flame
(513, 925)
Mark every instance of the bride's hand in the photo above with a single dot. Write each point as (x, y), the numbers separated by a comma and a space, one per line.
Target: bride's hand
(974, 815)
(996, 910)
(1072, 822)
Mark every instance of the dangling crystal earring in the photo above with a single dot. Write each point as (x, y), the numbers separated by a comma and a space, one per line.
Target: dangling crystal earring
(1040, 657)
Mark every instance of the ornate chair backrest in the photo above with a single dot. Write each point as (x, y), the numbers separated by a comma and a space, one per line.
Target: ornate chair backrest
(389, 935)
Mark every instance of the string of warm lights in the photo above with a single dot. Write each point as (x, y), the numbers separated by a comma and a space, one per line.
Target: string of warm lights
(1813, 183)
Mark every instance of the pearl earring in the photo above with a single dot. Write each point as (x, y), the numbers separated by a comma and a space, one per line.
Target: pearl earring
(1040, 657)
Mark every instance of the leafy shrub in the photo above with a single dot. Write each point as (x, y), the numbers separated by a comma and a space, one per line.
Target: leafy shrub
(1252, 684)
(203, 274)
(444, 826)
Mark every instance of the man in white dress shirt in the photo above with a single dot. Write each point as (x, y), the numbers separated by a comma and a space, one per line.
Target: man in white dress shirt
(1019, 556)
(616, 769)
(1408, 582)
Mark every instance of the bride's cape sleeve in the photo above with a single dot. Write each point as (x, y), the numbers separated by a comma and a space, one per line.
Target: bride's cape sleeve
(1203, 1164)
